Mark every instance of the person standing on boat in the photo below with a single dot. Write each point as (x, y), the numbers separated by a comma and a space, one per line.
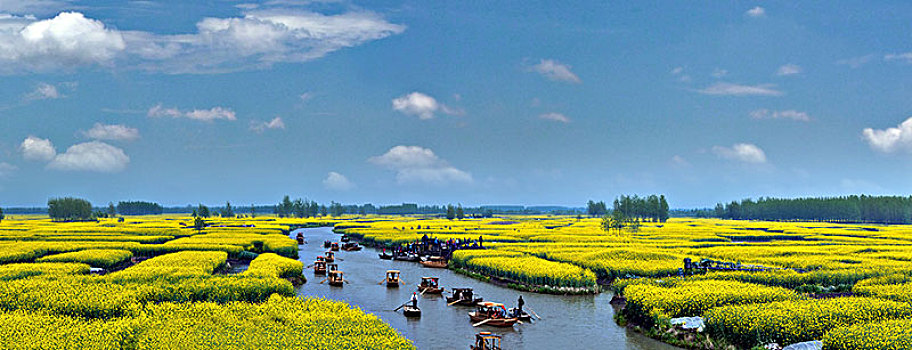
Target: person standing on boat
(414, 300)
(519, 305)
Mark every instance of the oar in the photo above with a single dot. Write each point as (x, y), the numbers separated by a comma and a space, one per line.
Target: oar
(400, 306)
(453, 303)
(346, 281)
(381, 282)
(482, 322)
(535, 314)
(324, 280)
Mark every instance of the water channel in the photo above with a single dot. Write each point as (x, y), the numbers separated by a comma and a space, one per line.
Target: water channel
(569, 322)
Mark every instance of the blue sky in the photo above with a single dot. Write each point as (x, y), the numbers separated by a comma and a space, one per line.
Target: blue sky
(477, 102)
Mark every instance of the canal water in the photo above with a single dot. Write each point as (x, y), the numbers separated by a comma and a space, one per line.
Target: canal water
(568, 322)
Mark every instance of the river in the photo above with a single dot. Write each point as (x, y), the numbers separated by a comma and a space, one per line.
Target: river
(568, 322)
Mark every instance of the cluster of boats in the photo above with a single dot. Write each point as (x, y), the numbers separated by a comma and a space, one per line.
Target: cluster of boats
(485, 313)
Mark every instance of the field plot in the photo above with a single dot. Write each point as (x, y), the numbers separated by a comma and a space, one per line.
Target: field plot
(753, 283)
(157, 283)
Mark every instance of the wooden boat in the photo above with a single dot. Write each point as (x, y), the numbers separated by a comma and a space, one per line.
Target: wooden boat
(492, 314)
(406, 257)
(345, 238)
(411, 311)
(435, 262)
(327, 244)
(463, 296)
(332, 267)
(319, 267)
(334, 247)
(522, 316)
(335, 278)
(486, 341)
(330, 256)
(300, 238)
(385, 256)
(430, 285)
(351, 246)
(392, 278)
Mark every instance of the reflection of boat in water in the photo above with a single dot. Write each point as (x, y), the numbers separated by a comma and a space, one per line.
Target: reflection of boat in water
(435, 262)
(463, 296)
(486, 341)
(430, 285)
(492, 314)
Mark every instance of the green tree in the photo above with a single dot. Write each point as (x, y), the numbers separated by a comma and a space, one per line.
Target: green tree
(199, 224)
(252, 211)
(285, 208)
(1, 215)
(203, 211)
(451, 212)
(112, 211)
(460, 213)
(69, 208)
(227, 212)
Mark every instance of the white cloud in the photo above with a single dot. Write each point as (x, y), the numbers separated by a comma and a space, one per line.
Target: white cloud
(742, 152)
(719, 73)
(275, 123)
(44, 91)
(890, 139)
(113, 132)
(91, 156)
(206, 115)
(677, 70)
(7, 169)
(904, 57)
(414, 164)
(337, 182)
(556, 71)
(679, 161)
(787, 114)
(556, 117)
(306, 96)
(421, 105)
(756, 12)
(729, 89)
(65, 41)
(34, 148)
(856, 62)
(261, 38)
(788, 69)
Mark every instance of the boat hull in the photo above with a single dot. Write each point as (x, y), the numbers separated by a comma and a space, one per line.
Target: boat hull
(430, 290)
(495, 322)
(464, 302)
(409, 311)
(434, 264)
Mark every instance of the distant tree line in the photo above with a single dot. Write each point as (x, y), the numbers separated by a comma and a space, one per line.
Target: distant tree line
(139, 208)
(865, 209)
